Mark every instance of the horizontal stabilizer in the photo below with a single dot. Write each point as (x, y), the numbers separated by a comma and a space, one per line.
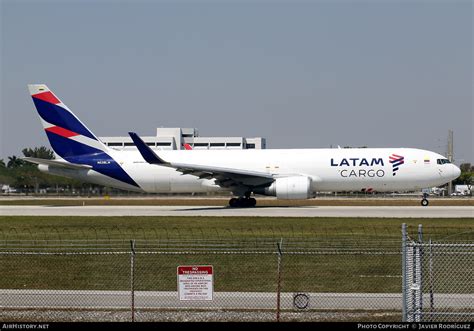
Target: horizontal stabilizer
(57, 163)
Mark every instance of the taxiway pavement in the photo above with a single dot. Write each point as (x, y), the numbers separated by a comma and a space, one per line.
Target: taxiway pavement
(313, 211)
(221, 300)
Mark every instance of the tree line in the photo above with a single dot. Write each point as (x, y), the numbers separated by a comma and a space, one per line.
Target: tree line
(26, 178)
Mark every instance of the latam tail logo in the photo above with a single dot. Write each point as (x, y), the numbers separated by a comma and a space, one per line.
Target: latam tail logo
(71, 139)
(396, 161)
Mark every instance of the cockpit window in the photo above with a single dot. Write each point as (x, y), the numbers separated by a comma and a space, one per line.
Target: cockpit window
(442, 161)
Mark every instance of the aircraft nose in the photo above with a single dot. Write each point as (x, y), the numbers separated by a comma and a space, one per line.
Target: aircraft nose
(456, 171)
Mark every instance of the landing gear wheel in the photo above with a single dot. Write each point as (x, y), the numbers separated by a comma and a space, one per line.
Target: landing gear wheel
(242, 202)
(234, 202)
(252, 202)
(425, 202)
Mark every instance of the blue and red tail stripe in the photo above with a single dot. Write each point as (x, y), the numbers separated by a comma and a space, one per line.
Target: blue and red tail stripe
(47, 96)
(59, 116)
(79, 153)
(72, 141)
(61, 132)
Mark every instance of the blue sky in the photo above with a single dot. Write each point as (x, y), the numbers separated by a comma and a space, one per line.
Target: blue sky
(301, 74)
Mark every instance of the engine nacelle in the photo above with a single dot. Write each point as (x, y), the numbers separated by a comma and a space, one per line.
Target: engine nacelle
(290, 188)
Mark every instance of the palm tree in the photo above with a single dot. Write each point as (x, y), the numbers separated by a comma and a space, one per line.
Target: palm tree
(39, 152)
(14, 162)
(2, 163)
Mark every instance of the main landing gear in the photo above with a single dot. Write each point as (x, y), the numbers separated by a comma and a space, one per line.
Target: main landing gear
(424, 201)
(242, 202)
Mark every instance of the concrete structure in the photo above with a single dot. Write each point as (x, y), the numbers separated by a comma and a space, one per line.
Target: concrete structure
(175, 138)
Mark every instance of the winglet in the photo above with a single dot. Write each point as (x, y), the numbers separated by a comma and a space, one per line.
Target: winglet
(148, 154)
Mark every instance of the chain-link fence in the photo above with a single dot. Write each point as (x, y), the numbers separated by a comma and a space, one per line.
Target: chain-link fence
(438, 280)
(234, 280)
(254, 280)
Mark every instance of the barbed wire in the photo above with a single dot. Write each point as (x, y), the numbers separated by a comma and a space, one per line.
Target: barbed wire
(197, 233)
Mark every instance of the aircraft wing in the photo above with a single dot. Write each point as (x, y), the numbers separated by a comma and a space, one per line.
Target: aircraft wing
(57, 163)
(224, 177)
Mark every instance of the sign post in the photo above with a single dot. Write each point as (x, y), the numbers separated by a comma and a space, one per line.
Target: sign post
(195, 283)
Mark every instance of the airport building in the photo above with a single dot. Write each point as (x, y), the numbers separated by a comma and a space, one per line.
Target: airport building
(178, 138)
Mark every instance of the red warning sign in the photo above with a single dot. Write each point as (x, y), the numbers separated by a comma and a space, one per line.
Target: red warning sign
(195, 283)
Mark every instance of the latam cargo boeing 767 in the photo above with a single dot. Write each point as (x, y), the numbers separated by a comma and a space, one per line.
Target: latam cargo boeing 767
(284, 173)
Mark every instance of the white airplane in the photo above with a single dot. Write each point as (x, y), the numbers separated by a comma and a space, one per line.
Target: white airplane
(284, 173)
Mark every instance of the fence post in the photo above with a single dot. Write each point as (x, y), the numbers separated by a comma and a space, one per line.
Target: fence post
(280, 253)
(404, 272)
(132, 277)
(419, 309)
(431, 283)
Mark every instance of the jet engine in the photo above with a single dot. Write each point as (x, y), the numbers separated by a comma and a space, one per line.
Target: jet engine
(290, 188)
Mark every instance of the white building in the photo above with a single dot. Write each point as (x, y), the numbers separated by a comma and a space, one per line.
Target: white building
(462, 189)
(7, 189)
(176, 138)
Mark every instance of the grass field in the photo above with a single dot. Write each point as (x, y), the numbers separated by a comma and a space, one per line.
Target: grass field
(236, 228)
(348, 254)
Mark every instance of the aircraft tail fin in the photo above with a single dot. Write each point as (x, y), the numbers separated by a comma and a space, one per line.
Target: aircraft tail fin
(68, 136)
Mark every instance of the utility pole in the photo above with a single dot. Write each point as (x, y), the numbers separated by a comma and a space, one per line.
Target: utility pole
(450, 157)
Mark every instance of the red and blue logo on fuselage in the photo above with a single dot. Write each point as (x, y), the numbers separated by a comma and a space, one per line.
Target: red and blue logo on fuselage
(396, 161)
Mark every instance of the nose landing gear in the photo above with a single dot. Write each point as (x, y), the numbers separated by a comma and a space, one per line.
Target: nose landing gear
(424, 201)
